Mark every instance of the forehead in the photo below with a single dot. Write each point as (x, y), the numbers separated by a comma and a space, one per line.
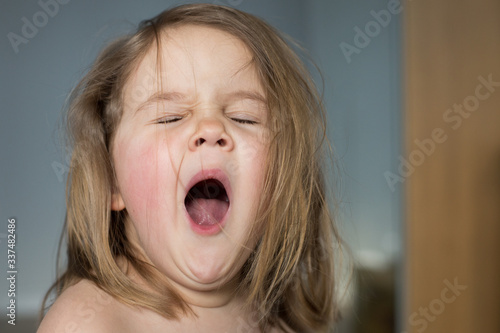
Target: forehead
(192, 59)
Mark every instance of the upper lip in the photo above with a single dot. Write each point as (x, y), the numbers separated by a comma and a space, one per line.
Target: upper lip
(217, 174)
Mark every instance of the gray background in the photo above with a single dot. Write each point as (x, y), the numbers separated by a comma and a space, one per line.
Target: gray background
(362, 98)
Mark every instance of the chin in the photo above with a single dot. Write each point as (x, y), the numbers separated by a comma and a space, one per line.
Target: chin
(216, 267)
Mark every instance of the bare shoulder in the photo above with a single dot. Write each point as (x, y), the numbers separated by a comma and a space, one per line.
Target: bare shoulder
(82, 307)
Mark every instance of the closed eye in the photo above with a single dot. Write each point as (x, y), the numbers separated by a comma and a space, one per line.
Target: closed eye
(169, 120)
(244, 121)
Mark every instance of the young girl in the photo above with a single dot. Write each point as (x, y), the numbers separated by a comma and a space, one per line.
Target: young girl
(196, 201)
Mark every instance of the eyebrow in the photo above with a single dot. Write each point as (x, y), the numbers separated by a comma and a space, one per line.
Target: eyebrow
(246, 94)
(180, 97)
(162, 96)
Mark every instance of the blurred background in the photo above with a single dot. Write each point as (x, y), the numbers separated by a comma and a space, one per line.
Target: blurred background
(413, 113)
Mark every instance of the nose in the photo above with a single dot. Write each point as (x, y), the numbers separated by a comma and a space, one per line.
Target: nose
(211, 132)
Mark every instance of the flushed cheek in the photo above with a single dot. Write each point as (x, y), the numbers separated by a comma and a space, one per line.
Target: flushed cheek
(254, 157)
(251, 171)
(141, 179)
(249, 160)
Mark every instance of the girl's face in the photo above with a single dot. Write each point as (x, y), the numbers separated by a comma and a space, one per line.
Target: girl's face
(200, 115)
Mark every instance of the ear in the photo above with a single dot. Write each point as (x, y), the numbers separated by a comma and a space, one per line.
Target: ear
(117, 203)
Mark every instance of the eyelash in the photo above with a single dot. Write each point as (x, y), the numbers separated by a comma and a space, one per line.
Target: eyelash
(169, 120)
(174, 119)
(244, 121)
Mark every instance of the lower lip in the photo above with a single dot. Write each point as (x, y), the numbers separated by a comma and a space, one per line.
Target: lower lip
(207, 230)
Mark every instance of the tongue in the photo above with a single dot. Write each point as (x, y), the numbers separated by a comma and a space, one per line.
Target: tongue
(207, 211)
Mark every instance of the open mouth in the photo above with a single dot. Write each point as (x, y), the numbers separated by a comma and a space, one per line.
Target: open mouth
(207, 202)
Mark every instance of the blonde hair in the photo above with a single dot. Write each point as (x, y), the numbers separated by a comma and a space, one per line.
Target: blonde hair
(290, 275)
